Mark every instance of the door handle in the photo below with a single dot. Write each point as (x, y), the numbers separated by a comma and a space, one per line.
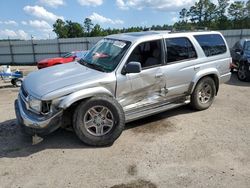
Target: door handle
(159, 75)
(196, 68)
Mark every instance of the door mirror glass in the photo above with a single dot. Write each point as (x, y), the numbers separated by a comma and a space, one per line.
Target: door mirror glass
(132, 67)
(238, 51)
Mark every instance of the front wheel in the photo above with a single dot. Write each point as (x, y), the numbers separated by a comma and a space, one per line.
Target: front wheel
(16, 82)
(242, 73)
(204, 93)
(99, 121)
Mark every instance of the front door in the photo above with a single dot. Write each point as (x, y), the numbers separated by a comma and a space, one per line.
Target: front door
(139, 89)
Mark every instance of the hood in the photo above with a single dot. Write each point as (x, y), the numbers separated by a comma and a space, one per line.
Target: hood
(61, 78)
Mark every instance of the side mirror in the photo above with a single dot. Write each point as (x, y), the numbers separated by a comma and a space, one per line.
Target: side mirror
(238, 51)
(132, 67)
(74, 57)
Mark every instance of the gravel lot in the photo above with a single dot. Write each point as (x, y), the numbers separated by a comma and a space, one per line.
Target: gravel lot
(178, 148)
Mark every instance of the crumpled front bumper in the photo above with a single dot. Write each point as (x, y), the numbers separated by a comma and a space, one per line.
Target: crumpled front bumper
(35, 124)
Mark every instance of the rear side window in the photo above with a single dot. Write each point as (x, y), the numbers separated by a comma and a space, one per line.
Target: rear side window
(212, 44)
(179, 49)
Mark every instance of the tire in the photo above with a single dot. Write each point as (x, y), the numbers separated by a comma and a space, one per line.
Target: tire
(99, 121)
(241, 74)
(13, 81)
(203, 94)
(18, 82)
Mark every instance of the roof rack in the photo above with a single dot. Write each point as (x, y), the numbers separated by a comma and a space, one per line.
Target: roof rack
(200, 29)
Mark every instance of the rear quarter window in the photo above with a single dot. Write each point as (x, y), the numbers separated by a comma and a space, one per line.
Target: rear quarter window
(212, 44)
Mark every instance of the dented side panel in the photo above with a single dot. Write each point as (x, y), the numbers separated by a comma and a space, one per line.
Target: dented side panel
(142, 88)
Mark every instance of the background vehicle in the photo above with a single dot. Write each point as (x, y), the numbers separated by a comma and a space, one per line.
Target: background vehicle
(69, 57)
(241, 59)
(122, 78)
(15, 78)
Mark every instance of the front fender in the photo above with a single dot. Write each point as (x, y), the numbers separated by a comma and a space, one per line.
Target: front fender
(82, 94)
(201, 74)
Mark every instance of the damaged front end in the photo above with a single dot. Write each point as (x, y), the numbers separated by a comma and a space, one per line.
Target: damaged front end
(36, 117)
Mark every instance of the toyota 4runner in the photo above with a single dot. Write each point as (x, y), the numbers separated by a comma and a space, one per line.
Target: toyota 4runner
(124, 77)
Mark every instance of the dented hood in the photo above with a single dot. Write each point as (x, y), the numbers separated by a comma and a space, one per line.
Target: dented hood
(60, 77)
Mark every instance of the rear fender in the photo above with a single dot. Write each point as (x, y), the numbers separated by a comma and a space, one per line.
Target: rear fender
(201, 74)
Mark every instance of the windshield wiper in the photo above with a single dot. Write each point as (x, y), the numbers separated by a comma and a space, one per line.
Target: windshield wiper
(97, 67)
(93, 66)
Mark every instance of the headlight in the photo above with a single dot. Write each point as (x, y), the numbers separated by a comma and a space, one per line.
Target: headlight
(34, 104)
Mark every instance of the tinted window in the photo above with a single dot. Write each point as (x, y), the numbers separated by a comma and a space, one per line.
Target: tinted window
(149, 54)
(179, 49)
(211, 44)
(68, 55)
(81, 54)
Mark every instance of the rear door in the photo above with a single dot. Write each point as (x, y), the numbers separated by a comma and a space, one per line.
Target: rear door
(180, 68)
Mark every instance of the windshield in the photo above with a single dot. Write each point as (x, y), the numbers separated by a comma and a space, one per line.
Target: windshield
(247, 46)
(105, 55)
(68, 55)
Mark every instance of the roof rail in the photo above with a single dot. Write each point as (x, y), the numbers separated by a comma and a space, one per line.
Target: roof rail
(200, 29)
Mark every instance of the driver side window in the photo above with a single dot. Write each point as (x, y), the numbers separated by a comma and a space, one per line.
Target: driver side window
(149, 54)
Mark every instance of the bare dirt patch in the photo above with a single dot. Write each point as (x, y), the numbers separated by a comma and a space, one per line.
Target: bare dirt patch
(178, 148)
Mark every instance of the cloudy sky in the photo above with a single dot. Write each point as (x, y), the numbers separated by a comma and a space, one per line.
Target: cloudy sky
(21, 19)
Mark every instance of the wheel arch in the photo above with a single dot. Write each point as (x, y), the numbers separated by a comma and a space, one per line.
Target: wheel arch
(82, 95)
(212, 74)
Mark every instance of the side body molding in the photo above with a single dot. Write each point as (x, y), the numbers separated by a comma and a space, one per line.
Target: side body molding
(82, 94)
(203, 73)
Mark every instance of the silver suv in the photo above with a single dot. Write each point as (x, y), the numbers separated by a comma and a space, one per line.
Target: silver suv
(122, 78)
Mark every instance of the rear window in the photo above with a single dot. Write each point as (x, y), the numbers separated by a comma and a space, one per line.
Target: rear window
(212, 44)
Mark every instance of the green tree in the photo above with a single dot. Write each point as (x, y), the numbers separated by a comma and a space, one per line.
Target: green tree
(88, 25)
(74, 29)
(196, 12)
(237, 13)
(222, 7)
(222, 21)
(203, 12)
(97, 31)
(248, 8)
(60, 29)
(184, 15)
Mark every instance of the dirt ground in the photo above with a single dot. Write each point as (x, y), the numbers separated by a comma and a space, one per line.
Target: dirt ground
(177, 148)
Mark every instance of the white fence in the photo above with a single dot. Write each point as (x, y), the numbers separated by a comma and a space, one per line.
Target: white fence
(31, 51)
(232, 36)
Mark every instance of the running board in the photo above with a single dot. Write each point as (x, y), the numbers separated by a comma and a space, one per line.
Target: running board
(138, 114)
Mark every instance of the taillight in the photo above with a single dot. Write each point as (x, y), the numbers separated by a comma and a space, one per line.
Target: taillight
(231, 64)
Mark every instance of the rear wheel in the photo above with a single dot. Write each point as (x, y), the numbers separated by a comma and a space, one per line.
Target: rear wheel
(99, 121)
(204, 93)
